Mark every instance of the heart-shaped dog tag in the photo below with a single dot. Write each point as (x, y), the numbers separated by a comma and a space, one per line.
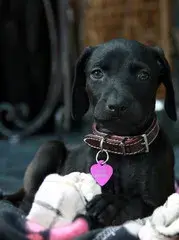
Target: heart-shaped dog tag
(101, 172)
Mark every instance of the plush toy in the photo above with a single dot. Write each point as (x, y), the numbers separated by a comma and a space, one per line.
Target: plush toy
(61, 198)
(164, 222)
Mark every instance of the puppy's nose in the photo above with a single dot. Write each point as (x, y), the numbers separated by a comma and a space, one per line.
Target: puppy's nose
(121, 107)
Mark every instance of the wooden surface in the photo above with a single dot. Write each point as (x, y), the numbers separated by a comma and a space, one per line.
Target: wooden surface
(148, 21)
(165, 30)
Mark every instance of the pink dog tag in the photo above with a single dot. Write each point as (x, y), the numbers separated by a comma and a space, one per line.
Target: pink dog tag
(101, 172)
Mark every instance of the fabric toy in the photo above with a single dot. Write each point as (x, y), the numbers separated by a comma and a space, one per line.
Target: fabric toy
(61, 198)
(164, 222)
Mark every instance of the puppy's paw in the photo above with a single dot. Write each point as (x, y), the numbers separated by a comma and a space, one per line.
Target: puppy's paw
(103, 208)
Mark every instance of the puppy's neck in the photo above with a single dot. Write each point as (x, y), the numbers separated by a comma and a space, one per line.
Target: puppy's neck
(121, 129)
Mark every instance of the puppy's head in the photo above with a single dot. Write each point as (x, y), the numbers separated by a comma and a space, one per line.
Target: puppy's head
(120, 79)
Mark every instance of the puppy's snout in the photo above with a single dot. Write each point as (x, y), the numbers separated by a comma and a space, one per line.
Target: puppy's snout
(117, 107)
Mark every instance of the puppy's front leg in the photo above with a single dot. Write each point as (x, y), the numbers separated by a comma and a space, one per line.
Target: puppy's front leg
(104, 208)
(49, 159)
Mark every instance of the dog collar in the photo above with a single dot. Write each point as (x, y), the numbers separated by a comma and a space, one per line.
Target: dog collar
(123, 145)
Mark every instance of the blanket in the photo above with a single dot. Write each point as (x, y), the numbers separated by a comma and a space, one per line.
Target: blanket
(58, 213)
(162, 225)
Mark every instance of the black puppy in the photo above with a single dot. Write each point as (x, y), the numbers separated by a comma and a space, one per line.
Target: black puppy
(119, 79)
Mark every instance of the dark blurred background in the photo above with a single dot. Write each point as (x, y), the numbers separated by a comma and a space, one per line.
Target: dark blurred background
(40, 41)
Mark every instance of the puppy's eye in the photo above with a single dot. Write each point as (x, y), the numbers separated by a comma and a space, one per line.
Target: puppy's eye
(96, 74)
(143, 75)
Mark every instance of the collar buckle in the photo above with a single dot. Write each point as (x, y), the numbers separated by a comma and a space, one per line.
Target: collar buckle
(146, 143)
(122, 144)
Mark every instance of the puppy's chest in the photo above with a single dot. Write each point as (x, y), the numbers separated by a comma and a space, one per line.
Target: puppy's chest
(128, 173)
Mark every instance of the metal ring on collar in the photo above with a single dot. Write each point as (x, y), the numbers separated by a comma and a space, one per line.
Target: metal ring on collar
(101, 144)
(107, 156)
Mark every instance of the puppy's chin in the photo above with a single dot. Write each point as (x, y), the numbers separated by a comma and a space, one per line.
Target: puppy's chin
(123, 127)
(115, 126)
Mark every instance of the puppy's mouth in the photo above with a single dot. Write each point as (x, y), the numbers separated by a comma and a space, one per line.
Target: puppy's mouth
(120, 126)
(107, 120)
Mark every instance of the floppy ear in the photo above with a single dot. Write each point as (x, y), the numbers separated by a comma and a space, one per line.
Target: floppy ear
(166, 78)
(80, 101)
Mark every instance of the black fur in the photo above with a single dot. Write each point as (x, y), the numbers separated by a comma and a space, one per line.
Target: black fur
(122, 94)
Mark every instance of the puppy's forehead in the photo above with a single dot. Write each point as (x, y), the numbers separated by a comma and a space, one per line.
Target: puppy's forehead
(119, 51)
